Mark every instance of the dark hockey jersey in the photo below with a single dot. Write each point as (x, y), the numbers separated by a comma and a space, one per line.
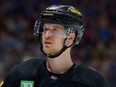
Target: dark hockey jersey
(33, 73)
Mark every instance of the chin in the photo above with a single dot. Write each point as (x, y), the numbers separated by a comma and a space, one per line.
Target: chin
(49, 52)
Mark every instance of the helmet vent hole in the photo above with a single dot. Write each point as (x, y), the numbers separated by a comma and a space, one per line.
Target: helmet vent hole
(65, 8)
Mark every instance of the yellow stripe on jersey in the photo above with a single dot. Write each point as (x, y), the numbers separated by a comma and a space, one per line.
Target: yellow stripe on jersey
(1, 83)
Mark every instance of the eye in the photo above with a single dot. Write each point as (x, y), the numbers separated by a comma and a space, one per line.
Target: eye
(45, 29)
(55, 30)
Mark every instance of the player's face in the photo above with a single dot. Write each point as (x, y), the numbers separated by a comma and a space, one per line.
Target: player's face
(53, 38)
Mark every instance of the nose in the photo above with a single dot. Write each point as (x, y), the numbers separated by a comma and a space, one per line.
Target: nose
(48, 33)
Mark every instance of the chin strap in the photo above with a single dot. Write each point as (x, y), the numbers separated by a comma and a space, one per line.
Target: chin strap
(58, 53)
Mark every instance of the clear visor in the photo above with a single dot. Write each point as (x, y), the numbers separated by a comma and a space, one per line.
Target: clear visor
(39, 29)
(54, 32)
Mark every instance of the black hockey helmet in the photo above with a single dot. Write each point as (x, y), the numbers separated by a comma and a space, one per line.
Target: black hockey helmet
(66, 15)
(63, 14)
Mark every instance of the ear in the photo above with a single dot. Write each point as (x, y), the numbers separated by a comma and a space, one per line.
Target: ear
(70, 39)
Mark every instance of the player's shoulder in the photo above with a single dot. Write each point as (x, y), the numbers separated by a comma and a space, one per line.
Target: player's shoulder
(27, 67)
(89, 72)
(93, 72)
(89, 75)
(27, 64)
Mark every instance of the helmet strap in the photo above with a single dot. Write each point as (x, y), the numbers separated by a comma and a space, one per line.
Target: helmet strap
(58, 53)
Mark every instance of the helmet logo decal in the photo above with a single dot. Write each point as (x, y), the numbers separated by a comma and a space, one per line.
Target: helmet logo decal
(72, 9)
(52, 7)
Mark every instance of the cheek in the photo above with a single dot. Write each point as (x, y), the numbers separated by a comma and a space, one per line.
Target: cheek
(42, 39)
(59, 43)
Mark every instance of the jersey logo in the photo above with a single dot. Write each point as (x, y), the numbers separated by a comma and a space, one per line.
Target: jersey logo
(26, 83)
(1, 83)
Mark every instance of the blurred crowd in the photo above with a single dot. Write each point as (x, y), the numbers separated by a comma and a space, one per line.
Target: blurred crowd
(97, 49)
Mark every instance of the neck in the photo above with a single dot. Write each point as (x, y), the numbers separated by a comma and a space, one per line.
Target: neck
(60, 64)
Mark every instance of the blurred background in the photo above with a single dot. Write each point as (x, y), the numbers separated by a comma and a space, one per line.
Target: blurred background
(97, 49)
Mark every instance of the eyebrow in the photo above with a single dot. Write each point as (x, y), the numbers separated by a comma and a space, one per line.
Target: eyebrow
(55, 26)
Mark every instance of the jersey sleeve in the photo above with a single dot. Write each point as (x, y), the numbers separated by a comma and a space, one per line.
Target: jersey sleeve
(7, 82)
(10, 80)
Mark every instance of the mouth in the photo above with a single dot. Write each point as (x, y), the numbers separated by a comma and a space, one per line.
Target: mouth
(47, 44)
